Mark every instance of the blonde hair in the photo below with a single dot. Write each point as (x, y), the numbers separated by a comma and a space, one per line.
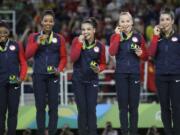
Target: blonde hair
(125, 13)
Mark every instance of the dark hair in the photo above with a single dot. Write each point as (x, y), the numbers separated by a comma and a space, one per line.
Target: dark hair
(90, 20)
(124, 9)
(4, 24)
(167, 10)
(48, 12)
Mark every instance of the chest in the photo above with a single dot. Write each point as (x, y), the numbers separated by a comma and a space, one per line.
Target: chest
(130, 44)
(92, 53)
(10, 52)
(169, 44)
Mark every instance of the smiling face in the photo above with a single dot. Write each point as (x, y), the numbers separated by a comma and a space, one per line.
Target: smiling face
(88, 31)
(47, 23)
(4, 33)
(166, 22)
(126, 22)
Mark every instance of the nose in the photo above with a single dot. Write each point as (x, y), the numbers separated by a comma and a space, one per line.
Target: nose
(3, 33)
(48, 23)
(85, 32)
(2, 38)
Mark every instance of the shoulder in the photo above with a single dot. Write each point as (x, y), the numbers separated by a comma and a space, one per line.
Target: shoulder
(100, 44)
(33, 36)
(137, 37)
(175, 37)
(11, 41)
(57, 35)
(13, 45)
(115, 35)
(137, 34)
(75, 40)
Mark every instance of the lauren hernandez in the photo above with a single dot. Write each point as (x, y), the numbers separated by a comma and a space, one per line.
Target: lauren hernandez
(88, 56)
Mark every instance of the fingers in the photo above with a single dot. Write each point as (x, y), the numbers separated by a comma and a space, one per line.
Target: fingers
(118, 29)
(96, 69)
(42, 38)
(81, 38)
(138, 51)
(157, 30)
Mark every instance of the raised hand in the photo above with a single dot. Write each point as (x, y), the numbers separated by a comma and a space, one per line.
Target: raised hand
(42, 38)
(138, 51)
(81, 38)
(118, 29)
(157, 30)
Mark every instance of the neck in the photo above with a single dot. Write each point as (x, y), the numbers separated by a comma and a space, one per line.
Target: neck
(46, 32)
(90, 41)
(3, 43)
(127, 32)
(168, 32)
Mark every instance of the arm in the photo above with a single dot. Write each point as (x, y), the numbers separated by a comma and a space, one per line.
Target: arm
(153, 46)
(114, 44)
(75, 50)
(32, 47)
(63, 54)
(23, 64)
(144, 55)
(102, 64)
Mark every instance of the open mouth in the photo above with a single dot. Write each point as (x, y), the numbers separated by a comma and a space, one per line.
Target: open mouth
(48, 27)
(86, 35)
(2, 39)
(164, 26)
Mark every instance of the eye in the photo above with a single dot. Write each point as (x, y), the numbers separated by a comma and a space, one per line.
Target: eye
(51, 21)
(167, 19)
(89, 29)
(45, 20)
(122, 21)
(3, 32)
(162, 20)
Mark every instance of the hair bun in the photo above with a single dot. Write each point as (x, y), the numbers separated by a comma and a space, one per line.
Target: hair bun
(4, 24)
(92, 21)
(48, 12)
(167, 10)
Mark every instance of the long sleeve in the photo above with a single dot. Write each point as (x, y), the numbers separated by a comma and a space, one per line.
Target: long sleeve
(75, 50)
(63, 54)
(102, 64)
(114, 44)
(153, 46)
(32, 47)
(23, 63)
(144, 55)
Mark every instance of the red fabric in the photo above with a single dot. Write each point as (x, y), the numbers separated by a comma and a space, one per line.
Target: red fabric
(153, 46)
(114, 44)
(151, 85)
(144, 55)
(102, 64)
(75, 50)
(63, 56)
(32, 47)
(23, 64)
